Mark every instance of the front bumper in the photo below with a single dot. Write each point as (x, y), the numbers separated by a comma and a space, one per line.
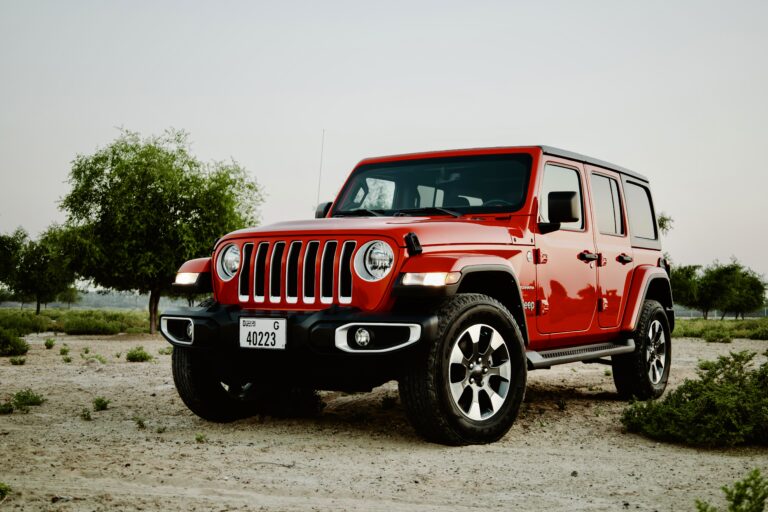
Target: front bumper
(320, 347)
(325, 332)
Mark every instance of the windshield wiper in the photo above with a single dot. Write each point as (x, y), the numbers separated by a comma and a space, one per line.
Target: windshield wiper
(360, 212)
(429, 209)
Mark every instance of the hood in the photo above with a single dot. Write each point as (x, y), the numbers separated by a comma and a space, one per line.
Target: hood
(431, 231)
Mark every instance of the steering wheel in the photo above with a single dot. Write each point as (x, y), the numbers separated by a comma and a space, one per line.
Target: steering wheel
(497, 202)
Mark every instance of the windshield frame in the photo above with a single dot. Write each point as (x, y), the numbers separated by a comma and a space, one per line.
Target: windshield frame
(520, 157)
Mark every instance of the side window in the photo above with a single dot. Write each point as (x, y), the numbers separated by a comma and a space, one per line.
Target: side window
(605, 194)
(560, 179)
(381, 194)
(430, 196)
(640, 212)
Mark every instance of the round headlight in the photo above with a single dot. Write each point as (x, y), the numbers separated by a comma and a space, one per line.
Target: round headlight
(374, 260)
(229, 262)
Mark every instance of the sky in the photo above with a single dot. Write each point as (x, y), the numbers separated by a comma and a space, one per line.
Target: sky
(677, 91)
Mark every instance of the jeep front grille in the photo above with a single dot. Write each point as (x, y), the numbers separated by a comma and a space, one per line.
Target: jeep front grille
(296, 272)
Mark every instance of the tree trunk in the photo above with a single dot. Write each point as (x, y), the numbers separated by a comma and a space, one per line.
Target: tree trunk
(706, 314)
(154, 302)
(722, 317)
(37, 309)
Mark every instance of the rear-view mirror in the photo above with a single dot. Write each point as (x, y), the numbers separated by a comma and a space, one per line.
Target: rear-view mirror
(322, 210)
(562, 207)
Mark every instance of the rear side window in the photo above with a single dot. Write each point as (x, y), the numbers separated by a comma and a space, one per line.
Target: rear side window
(560, 179)
(642, 222)
(605, 193)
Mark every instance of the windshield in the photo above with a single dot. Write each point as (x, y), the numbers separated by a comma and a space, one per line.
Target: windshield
(459, 185)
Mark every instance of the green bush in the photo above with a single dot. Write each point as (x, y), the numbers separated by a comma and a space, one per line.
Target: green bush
(726, 405)
(63, 351)
(94, 357)
(24, 322)
(94, 321)
(49, 343)
(761, 333)
(66, 359)
(5, 490)
(99, 321)
(747, 495)
(85, 414)
(26, 398)
(90, 326)
(18, 360)
(11, 344)
(717, 335)
(138, 355)
(6, 407)
(100, 404)
(756, 329)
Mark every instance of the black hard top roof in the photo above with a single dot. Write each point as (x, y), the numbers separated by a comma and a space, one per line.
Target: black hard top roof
(549, 150)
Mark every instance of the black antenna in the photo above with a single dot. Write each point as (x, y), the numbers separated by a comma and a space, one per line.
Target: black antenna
(320, 174)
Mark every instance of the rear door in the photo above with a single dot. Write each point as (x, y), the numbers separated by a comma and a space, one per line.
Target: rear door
(613, 245)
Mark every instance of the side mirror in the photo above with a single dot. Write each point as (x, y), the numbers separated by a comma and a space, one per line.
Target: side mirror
(563, 207)
(322, 210)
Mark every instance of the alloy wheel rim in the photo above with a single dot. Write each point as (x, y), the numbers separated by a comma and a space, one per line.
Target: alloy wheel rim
(656, 352)
(479, 372)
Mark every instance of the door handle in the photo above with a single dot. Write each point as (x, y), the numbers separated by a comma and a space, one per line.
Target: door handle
(588, 256)
(624, 258)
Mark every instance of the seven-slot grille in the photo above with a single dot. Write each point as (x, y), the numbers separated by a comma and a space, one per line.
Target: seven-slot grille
(296, 271)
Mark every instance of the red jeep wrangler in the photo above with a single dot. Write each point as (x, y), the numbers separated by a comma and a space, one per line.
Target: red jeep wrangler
(453, 272)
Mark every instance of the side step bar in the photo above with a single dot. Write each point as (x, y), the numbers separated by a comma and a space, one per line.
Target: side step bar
(547, 358)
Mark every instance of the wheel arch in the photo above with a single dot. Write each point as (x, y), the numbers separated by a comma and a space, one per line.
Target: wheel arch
(500, 283)
(648, 283)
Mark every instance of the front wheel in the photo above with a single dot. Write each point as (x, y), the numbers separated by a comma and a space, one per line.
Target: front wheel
(468, 387)
(643, 374)
(218, 397)
(203, 391)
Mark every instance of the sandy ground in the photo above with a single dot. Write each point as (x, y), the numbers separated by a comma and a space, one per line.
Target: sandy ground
(566, 452)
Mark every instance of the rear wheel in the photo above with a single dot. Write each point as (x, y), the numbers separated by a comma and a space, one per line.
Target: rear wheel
(468, 387)
(643, 374)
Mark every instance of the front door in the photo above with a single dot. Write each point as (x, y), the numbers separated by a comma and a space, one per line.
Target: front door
(566, 270)
(613, 245)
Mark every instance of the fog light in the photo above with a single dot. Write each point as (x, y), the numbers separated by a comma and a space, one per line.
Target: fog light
(362, 337)
(190, 330)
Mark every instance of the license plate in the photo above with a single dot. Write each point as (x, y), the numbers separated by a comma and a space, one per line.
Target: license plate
(266, 333)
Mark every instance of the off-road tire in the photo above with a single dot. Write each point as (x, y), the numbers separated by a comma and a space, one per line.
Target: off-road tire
(631, 371)
(200, 387)
(425, 388)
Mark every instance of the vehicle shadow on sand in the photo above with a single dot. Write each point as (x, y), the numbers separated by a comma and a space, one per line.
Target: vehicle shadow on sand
(380, 415)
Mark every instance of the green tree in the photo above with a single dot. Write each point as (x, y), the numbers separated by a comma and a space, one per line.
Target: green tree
(685, 285)
(69, 296)
(747, 292)
(142, 206)
(43, 268)
(10, 250)
(665, 223)
(715, 287)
